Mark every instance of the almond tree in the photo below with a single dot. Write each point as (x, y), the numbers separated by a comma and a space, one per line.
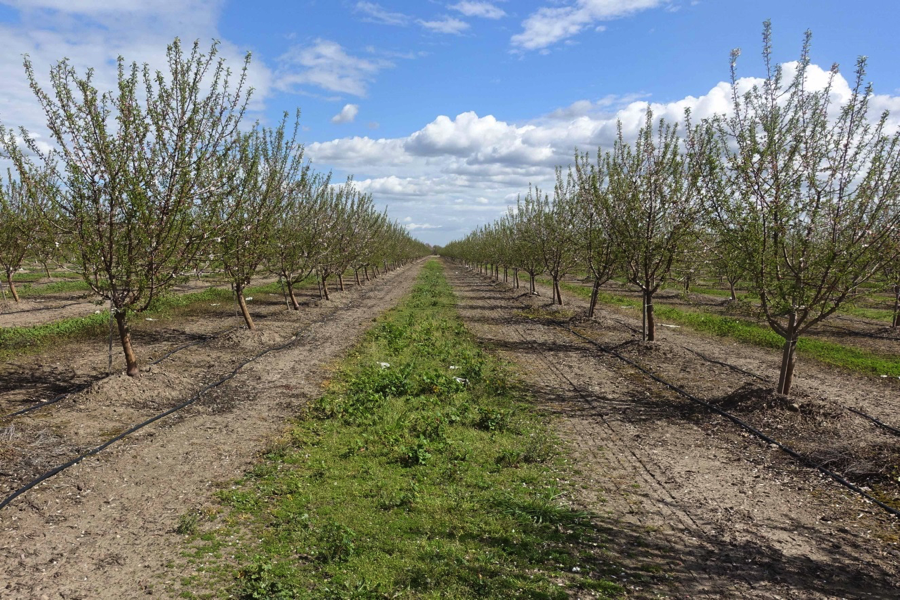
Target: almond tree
(268, 165)
(21, 202)
(298, 237)
(556, 231)
(595, 240)
(808, 194)
(525, 226)
(652, 204)
(139, 169)
(891, 273)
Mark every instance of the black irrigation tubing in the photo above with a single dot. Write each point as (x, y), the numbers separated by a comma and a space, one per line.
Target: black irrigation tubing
(81, 387)
(863, 334)
(725, 364)
(885, 426)
(788, 450)
(56, 470)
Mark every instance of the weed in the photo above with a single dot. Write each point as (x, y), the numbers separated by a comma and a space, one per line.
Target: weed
(187, 523)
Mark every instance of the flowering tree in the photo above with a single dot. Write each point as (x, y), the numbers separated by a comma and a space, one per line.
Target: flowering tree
(298, 236)
(19, 224)
(140, 169)
(595, 240)
(268, 165)
(808, 193)
(652, 204)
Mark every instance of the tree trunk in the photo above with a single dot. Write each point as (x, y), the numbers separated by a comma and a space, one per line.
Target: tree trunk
(557, 296)
(595, 292)
(651, 320)
(531, 286)
(12, 287)
(896, 322)
(356, 273)
(366, 271)
(731, 289)
(516, 277)
(786, 377)
(239, 291)
(131, 366)
(290, 290)
(505, 274)
(325, 287)
(341, 281)
(47, 271)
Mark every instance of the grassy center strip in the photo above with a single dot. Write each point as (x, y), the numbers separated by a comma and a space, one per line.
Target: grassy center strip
(421, 472)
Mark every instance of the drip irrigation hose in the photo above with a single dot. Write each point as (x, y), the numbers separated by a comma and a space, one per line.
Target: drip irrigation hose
(725, 364)
(81, 387)
(56, 470)
(885, 426)
(788, 450)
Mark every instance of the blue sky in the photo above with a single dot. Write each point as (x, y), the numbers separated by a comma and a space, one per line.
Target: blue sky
(445, 110)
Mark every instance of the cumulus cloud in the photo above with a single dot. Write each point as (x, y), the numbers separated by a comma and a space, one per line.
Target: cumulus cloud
(550, 25)
(449, 25)
(327, 65)
(93, 33)
(460, 172)
(347, 114)
(479, 9)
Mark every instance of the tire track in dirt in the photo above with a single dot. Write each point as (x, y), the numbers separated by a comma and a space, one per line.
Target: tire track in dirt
(104, 529)
(699, 508)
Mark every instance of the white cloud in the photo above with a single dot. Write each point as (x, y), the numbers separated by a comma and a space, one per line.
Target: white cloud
(375, 13)
(448, 25)
(459, 172)
(550, 25)
(414, 226)
(327, 65)
(479, 9)
(347, 114)
(93, 33)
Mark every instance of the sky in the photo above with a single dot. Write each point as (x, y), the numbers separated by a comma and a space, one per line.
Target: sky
(446, 110)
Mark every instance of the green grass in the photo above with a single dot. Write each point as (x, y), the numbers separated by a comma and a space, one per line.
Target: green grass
(404, 482)
(15, 341)
(29, 277)
(876, 314)
(57, 287)
(854, 359)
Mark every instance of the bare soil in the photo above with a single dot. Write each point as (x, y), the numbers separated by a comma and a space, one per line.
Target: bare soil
(692, 506)
(105, 527)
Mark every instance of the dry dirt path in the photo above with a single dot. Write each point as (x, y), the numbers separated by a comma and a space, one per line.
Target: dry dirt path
(689, 506)
(104, 528)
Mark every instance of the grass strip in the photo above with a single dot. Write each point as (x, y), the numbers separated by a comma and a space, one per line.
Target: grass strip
(421, 473)
(57, 287)
(17, 340)
(854, 359)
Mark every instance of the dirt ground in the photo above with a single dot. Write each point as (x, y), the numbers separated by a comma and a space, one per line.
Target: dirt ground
(691, 506)
(104, 528)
